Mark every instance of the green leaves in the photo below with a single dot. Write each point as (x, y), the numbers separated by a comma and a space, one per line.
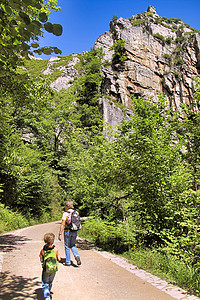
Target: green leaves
(25, 17)
(26, 133)
(27, 2)
(43, 17)
(141, 177)
(87, 87)
(47, 50)
(53, 28)
(57, 29)
(33, 3)
(48, 27)
(34, 45)
(119, 55)
(20, 23)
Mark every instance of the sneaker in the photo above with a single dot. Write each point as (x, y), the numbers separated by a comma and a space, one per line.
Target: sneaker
(65, 264)
(78, 260)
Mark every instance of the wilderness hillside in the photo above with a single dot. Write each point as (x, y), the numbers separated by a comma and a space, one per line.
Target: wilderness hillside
(144, 54)
(138, 183)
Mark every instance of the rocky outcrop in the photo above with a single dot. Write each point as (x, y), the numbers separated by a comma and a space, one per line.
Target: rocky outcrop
(162, 55)
(67, 71)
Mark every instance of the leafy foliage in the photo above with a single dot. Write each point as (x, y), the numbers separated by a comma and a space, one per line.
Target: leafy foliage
(21, 23)
(23, 105)
(86, 89)
(10, 220)
(106, 233)
(38, 131)
(136, 22)
(147, 178)
(25, 177)
(141, 188)
(119, 56)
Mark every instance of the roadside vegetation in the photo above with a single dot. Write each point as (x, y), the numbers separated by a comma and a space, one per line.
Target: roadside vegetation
(140, 190)
(11, 220)
(156, 260)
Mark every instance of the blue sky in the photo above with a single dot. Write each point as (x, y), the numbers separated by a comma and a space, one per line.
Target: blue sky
(84, 21)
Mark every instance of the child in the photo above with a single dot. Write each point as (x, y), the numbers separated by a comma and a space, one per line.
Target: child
(49, 257)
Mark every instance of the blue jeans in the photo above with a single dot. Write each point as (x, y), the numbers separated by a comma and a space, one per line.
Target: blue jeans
(70, 240)
(47, 280)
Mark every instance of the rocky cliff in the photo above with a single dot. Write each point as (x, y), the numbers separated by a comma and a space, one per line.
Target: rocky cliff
(143, 55)
(162, 54)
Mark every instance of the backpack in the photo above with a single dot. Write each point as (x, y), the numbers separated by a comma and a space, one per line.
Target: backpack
(50, 264)
(75, 223)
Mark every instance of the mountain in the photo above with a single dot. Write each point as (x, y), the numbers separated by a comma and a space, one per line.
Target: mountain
(144, 55)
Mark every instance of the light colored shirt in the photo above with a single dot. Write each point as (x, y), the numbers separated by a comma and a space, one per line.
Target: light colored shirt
(67, 215)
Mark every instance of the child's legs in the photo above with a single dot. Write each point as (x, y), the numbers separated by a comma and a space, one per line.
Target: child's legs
(51, 278)
(67, 247)
(45, 285)
(47, 280)
(72, 242)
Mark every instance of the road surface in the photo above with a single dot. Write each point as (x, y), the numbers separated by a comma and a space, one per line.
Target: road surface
(100, 276)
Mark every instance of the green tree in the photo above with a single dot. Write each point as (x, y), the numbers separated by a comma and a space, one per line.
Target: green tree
(86, 89)
(21, 22)
(140, 178)
(23, 106)
(27, 138)
(119, 56)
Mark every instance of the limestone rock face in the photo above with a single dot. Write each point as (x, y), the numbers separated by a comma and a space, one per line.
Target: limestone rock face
(162, 55)
(67, 69)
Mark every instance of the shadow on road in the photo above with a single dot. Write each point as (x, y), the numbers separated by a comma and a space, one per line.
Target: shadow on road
(39, 294)
(18, 287)
(86, 245)
(58, 222)
(9, 242)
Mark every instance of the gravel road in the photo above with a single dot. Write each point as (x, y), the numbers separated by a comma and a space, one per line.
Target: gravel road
(101, 276)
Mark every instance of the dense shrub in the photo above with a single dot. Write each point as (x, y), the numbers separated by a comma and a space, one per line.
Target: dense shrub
(11, 220)
(159, 36)
(119, 56)
(136, 22)
(107, 235)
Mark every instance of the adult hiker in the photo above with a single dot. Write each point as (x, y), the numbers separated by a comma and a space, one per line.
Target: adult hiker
(70, 224)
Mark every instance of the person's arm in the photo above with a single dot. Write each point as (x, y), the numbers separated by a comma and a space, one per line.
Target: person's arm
(62, 226)
(57, 254)
(41, 256)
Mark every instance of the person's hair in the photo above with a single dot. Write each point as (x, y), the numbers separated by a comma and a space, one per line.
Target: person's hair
(68, 204)
(49, 238)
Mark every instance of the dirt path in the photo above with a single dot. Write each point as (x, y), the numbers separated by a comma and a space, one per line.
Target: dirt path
(101, 275)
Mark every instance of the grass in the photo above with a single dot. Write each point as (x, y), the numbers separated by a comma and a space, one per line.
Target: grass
(35, 67)
(166, 266)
